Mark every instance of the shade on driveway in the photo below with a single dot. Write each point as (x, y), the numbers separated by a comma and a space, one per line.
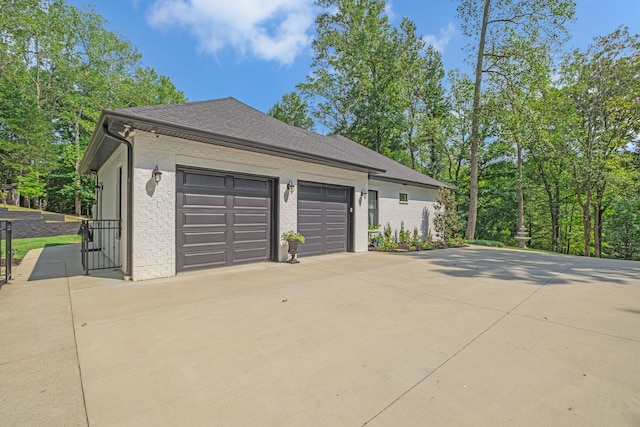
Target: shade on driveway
(471, 336)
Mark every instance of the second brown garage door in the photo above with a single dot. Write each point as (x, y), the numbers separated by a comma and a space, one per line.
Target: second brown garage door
(323, 218)
(222, 219)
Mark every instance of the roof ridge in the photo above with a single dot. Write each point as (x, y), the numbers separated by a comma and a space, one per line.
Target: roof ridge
(165, 106)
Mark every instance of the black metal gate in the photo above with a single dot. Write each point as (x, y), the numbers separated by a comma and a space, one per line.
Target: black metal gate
(6, 251)
(101, 244)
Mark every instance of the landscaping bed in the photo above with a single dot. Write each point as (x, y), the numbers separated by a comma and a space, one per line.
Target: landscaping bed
(407, 241)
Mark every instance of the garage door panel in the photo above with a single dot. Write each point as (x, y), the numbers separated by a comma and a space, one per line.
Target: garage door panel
(334, 232)
(250, 236)
(253, 185)
(222, 219)
(339, 194)
(336, 207)
(309, 192)
(310, 233)
(205, 238)
(192, 219)
(251, 202)
(306, 221)
(197, 260)
(250, 254)
(333, 247)
(257, 218)
(203, 180)
(323, 215)
(192, 200)
(310, 205)
(333, 219)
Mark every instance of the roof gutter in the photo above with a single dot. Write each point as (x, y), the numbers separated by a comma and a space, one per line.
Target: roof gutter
(414, 183)
(105, 128)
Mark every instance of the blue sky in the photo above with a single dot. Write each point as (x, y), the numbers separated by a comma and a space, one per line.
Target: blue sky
(258, 50)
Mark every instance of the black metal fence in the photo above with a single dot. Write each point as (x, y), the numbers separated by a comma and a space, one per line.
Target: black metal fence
(6, 251)
(101, 244)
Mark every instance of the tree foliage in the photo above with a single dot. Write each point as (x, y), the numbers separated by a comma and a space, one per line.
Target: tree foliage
(292, 110)
(446, 220)
(59, 67)
(377, 84)
(496, 26)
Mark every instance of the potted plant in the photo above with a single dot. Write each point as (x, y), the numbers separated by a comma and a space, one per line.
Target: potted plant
(294, 239)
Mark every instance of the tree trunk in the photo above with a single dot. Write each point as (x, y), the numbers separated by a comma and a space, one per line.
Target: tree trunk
(46, 196)
(475, 124)
(520, 191)
(586, 220)
(597, 229)
(570, 228)
(555, 220)
(78, 182)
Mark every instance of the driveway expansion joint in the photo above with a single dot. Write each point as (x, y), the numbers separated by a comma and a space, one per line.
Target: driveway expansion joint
(461, 349)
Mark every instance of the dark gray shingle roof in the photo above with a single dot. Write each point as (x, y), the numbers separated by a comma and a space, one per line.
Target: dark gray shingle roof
(230, 118)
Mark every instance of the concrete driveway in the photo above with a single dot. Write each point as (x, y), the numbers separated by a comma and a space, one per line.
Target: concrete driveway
(472, 336)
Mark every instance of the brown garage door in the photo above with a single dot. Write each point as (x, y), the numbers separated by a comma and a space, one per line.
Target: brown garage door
(323, 218)
(222, 219)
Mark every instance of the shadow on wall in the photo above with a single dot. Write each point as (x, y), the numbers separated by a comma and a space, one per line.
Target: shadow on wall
(151, 187)
(425, 227)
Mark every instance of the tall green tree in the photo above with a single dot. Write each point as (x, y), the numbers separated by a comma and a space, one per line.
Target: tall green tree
(59, 67)
(355, 73)
(377, 84)
(423, 102)
(458, 127)
(548, 168)
(491, 24)
(602, 85)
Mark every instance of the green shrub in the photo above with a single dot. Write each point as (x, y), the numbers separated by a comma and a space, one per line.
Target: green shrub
(415, 239)
(293, 235)
(454, 242)
(404, 235)
(388, 245)
(447, 222)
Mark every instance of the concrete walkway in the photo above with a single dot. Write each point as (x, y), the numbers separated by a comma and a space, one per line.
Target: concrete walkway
(473, 336)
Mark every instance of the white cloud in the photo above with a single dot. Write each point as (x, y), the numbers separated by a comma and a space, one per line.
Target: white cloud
(440, 42)
(274, 30)
(388, 10)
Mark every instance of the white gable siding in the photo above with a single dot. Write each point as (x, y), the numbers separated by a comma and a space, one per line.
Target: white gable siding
(418, 212)
(108, 177)
(154, 240)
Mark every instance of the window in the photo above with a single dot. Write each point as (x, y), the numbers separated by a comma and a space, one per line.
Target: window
(373, 207)
(404, 198)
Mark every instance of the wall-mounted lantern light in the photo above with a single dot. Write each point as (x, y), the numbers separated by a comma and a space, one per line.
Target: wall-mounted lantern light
(157, 175)
(127, 131)
(290, 186)
(364, 193)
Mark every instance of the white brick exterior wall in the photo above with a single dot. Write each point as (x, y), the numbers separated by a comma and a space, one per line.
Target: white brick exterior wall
(418, 212)
(154, 240)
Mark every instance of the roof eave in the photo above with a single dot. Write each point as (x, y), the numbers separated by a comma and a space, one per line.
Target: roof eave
(409, 182)
(162, 127)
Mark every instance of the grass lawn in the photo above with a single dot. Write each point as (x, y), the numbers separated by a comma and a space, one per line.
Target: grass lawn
(22, 246)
